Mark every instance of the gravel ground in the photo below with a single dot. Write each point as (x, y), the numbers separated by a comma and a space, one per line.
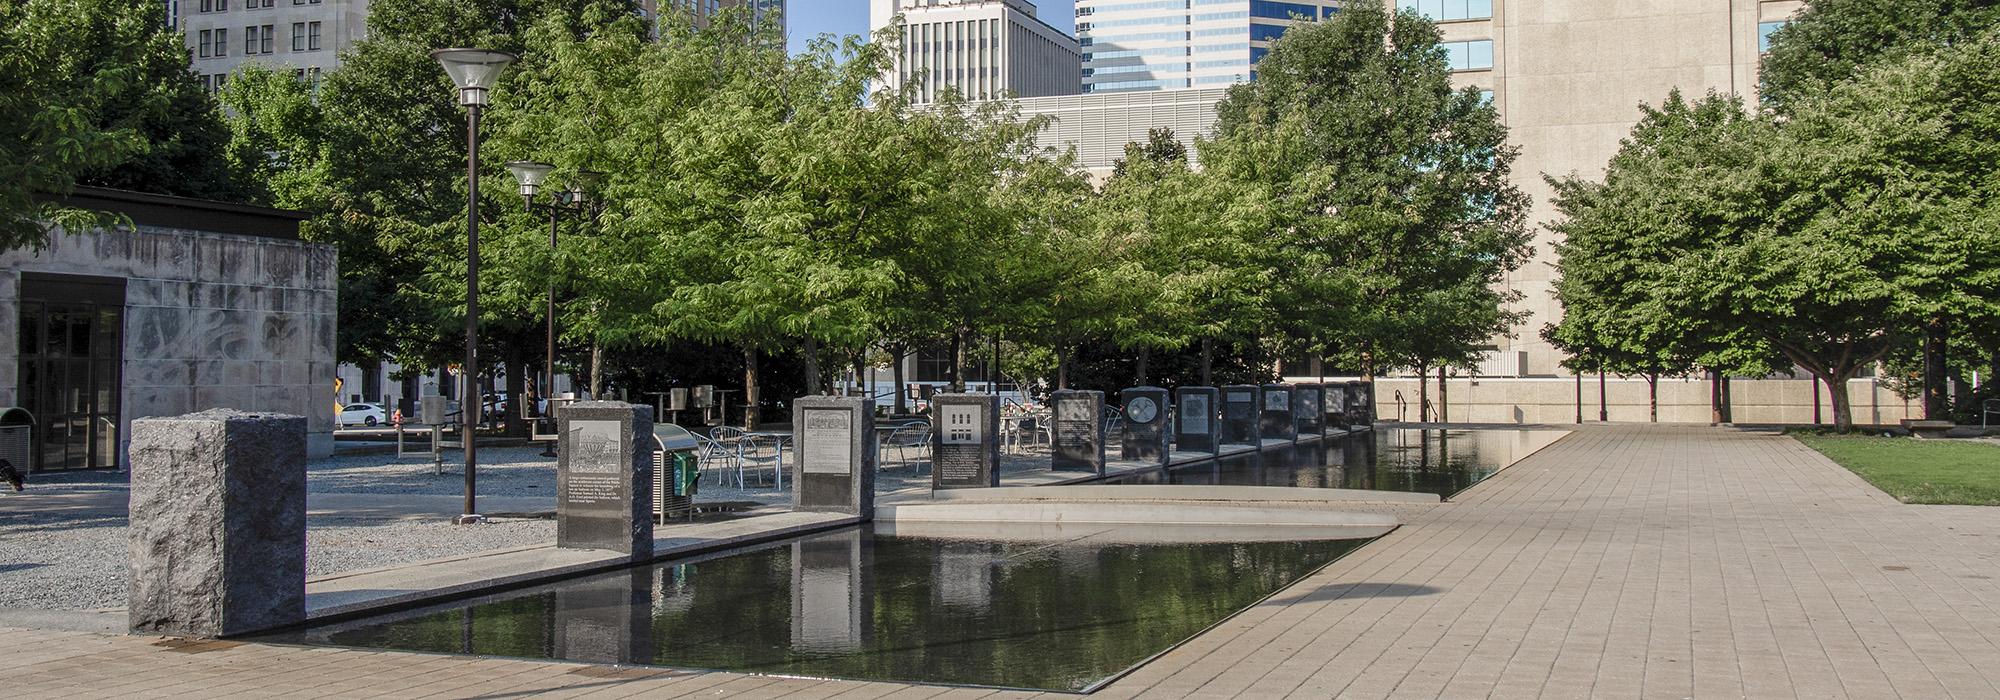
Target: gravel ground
(77, 562)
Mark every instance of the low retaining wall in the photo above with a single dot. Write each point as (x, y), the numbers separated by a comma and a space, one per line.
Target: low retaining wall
(1553, 400)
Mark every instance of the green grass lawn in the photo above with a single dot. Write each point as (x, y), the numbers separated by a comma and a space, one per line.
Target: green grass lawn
(1947, 472)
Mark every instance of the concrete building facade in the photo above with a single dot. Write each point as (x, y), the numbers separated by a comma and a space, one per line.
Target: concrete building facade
(1568, 77)
(1099, 125)
(986, 49)
(1146, 45)
(305, 36)
(197, 305)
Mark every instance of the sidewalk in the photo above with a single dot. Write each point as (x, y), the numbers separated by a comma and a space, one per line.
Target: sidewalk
(1619, 562)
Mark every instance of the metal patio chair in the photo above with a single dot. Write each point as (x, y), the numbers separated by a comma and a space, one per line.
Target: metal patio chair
(754, 452)
(905, 438)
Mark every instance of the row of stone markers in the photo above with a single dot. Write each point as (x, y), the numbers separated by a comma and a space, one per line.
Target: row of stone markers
(217, 522)
(217, 537)
(1201, 423)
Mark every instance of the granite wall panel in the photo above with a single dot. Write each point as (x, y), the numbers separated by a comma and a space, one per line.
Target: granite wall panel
(211, 320)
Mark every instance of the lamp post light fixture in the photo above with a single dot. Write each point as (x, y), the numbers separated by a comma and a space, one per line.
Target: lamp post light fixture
(531, 175)
(474, 71)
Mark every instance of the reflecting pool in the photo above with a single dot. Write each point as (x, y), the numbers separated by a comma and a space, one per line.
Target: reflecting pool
(1443, 462)
(1066, 614)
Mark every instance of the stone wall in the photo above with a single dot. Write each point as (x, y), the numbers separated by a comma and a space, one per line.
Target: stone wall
(212, 320)
(1553, 400)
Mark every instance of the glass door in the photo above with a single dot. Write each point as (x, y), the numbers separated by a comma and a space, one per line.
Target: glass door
(71, 343)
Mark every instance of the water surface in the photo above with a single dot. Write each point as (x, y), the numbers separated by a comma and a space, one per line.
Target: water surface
(1443, 462)
(1061, 615)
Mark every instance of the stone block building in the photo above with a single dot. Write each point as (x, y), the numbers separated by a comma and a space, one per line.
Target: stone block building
(195, 305)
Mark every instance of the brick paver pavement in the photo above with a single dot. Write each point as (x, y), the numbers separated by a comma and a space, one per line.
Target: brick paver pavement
(1619, 562)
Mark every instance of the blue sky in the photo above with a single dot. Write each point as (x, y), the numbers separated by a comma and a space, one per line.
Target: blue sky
(808, 18)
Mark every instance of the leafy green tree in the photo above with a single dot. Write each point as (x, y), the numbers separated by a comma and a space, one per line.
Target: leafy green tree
(1831, 40)
(98, 92)
(1390, 189)
(1621, 237)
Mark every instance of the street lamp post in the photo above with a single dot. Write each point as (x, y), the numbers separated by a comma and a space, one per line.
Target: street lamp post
(474, 71)
(575, 200)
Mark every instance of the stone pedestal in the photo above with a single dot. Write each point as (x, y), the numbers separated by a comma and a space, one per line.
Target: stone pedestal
(1277, 413)
(1196, 428)
(1336, 405)
(1366, 392)
(965, 441)
(1360, 410)
(1145, 435)
(834, 439)
(604, 477)
(1307, 413)
(1239, 414)
(216, 543)
(1077, 427)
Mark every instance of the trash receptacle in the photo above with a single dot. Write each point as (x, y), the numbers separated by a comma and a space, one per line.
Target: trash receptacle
(676, 471)
(17, 432)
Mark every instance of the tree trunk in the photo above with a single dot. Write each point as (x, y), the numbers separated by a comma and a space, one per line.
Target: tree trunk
(1936, 406)
(812, 366)
(516, 391)
(1728, 402)
(1207, 361)
(371, 381)
(1653, 396)
(896, 355)
(751, 392)
(958, 361)
(596, 370)
(861, 374)
(1062, 366)
(1714, 397)
(1423, 394)
(1836, 391)
(1444, 404)
(1603, 400)
(1139, 367)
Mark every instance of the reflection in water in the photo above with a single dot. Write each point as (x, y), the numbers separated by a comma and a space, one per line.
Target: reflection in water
(1443, 462)
(1059, 615)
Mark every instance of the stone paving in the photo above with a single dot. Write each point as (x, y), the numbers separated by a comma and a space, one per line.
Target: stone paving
(1619, 562)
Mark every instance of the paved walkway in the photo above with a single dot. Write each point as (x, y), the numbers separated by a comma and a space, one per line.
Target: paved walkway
(1619, 562)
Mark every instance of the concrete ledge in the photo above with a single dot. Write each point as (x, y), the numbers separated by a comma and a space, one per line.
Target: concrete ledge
(1170, 513)
(371, 591)
(1162, 492)
(1127, 533)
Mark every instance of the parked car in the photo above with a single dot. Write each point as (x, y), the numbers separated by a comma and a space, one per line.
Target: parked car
(368, 414)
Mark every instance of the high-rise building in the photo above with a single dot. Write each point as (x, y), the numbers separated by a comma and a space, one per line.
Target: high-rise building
(983, 48)
(765, 10)
(1140, 45)
(1567, 77)
(305, 36)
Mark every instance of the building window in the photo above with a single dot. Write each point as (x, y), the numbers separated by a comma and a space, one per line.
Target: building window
(250, 40)
(1469, 55)
(1281, 10)
(299, 37)
(1764, 31)
(201, 43)
(207, 5)
(1266, 32)
(221, 43)
(312, 36)
(264, 42)
(1445, 10)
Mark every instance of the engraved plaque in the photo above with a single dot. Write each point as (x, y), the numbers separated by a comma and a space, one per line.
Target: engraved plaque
(1238, 405)
(1194, 414)
(827, 441)
(961, 425)
(1277, 400)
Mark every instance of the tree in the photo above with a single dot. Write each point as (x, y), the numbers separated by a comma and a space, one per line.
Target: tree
(1621, 238)
(98, 92)
(1831, 40)
(1390, 190)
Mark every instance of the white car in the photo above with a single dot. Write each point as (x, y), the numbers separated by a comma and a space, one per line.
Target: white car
(367, 414)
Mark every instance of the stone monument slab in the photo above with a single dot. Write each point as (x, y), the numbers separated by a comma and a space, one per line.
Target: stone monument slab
(965, 441)
(1197, 427)
(1276, 414)
(1307, 412)
(834, 439)
(1355, 401)
(604, 477)
(1145, 435)
(216, 536)
(1367, 394)
(1239, 414)
(1076, 424)
(1336, 405)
